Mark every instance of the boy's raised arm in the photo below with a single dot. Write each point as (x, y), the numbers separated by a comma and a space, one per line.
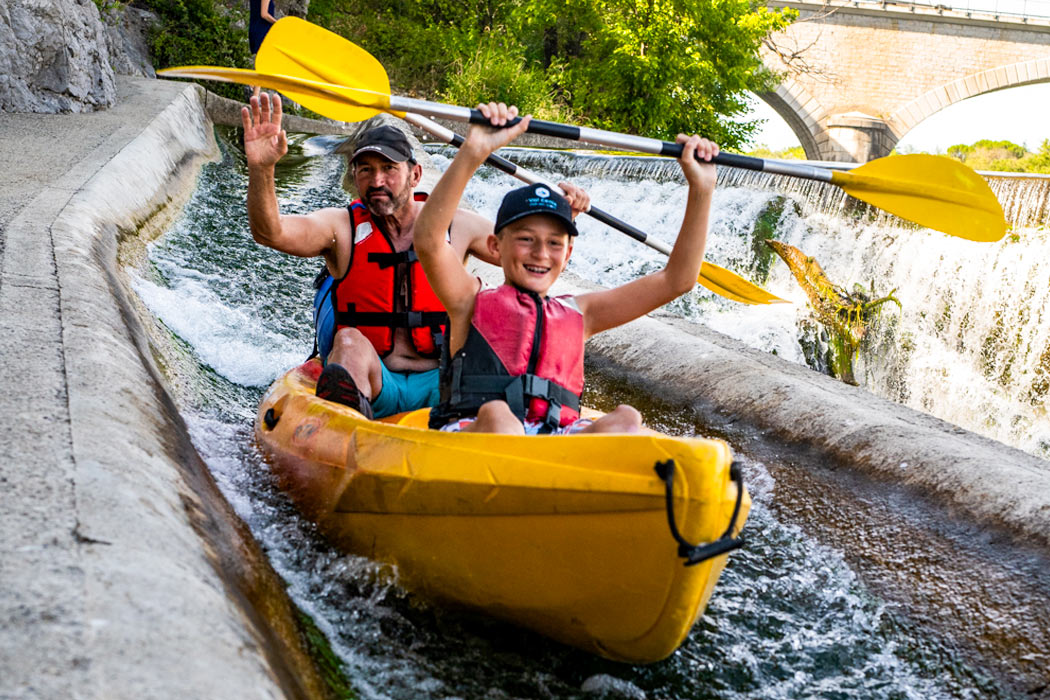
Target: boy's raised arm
(451, 282)
(614, 307)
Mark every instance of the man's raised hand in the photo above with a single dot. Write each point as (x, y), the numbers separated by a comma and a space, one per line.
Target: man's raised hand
(264, 140)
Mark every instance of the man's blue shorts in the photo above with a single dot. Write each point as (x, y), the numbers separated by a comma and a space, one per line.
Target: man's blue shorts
(405, 391)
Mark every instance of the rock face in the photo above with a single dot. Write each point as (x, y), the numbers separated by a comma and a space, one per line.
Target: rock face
(126, 36)
(54, 57)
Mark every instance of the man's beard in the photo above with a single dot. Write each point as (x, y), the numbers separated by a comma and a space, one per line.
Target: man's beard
(388, 206)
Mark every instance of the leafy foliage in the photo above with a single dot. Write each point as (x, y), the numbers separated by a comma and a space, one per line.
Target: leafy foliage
(1003, 156)
(649, 67)
(494, 73)
(793, 153)
(200, 32)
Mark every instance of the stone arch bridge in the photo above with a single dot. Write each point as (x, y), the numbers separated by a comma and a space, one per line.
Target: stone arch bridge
(858, 75)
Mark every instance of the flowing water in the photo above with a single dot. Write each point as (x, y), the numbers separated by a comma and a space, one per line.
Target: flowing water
(790, 617)
(971, 343)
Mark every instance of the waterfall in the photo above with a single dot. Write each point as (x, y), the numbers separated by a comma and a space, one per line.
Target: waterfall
(972, 342)
(1025, 198)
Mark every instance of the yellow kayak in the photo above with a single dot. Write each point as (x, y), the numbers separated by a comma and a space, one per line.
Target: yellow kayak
(567, 535)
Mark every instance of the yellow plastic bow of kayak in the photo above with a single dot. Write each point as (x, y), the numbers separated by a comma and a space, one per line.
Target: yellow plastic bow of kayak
(566, 535)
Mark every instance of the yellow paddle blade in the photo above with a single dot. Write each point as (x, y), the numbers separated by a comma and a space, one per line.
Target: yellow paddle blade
(734, 287)
(333, 101)
(933, 191)
(294, 47)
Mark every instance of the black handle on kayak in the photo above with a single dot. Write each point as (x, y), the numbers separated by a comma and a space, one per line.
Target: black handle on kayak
(696, 553)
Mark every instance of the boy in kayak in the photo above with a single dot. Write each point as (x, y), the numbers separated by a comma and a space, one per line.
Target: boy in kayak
(388, 323)
(513, 360)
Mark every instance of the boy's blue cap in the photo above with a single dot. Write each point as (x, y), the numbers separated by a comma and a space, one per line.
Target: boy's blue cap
(535, 199)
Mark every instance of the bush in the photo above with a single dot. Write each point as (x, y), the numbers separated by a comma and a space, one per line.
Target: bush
(494, 73)
(1003, 156)
(192, 32)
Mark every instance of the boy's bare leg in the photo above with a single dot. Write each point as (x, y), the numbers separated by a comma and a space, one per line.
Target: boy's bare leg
(623, 419)
(495, 417)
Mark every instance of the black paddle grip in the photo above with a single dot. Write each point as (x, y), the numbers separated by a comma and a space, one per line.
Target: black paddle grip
(497, 162)
(729, 159)
(536, 126)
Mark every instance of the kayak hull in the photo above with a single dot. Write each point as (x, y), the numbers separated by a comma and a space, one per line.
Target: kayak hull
(566, 535)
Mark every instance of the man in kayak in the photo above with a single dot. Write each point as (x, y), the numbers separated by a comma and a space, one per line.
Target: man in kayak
(389, 324)
(513, 359)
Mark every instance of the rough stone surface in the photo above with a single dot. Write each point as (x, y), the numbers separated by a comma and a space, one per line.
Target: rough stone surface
(123, 572)
(126, 41)
(53, 57)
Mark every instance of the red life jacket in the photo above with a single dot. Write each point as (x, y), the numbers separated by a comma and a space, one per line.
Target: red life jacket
(522, 349)
(365, 296)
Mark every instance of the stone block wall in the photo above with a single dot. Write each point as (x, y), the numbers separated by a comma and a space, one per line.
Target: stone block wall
(893, 65)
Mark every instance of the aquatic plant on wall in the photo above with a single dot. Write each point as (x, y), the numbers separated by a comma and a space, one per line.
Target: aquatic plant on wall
(765, 228)
(845, 315)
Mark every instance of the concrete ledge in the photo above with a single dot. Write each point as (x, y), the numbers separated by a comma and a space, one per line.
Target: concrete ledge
(124, 573)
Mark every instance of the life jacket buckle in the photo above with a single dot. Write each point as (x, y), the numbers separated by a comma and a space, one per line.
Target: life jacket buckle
(537, 386)
(553, 418)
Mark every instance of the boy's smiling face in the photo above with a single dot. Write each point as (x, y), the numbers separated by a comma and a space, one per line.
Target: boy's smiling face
(533, 251)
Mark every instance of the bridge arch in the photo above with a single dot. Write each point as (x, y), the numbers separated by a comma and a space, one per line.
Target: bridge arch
(874, 70)
(801, 111)
(926, 105)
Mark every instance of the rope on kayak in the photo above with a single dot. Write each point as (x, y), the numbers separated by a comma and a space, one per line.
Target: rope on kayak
(696, 553)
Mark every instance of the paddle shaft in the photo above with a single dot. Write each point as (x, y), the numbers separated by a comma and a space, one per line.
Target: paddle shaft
(500, 163)
(717, 279)
(611, 139)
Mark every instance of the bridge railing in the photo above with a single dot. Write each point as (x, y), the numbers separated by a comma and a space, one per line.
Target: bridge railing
(1034, 9)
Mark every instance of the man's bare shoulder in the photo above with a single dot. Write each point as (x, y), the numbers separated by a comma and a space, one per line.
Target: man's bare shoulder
(333, 215)
(470, 224)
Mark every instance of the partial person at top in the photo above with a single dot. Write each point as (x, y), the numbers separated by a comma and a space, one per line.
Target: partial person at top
(261, 16)
(513, 359)
(389, 323)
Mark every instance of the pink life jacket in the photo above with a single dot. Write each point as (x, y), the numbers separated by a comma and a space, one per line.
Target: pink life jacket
(522, 349)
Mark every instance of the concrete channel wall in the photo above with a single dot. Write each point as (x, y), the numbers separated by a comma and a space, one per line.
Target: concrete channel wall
(123, 572)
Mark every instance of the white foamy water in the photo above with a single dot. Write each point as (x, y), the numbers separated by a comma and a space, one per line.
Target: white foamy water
(971, 344)
(228, 340)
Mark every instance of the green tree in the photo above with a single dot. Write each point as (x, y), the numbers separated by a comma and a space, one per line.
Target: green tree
(649, 67)
(960, 151)
(660, 67)
(199, 32)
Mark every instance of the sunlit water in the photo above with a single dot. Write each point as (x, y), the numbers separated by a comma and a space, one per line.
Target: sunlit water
(789, 619)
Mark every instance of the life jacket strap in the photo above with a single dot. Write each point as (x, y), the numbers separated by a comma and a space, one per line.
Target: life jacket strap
(391, 319)
(515, 390)
(384, 260)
